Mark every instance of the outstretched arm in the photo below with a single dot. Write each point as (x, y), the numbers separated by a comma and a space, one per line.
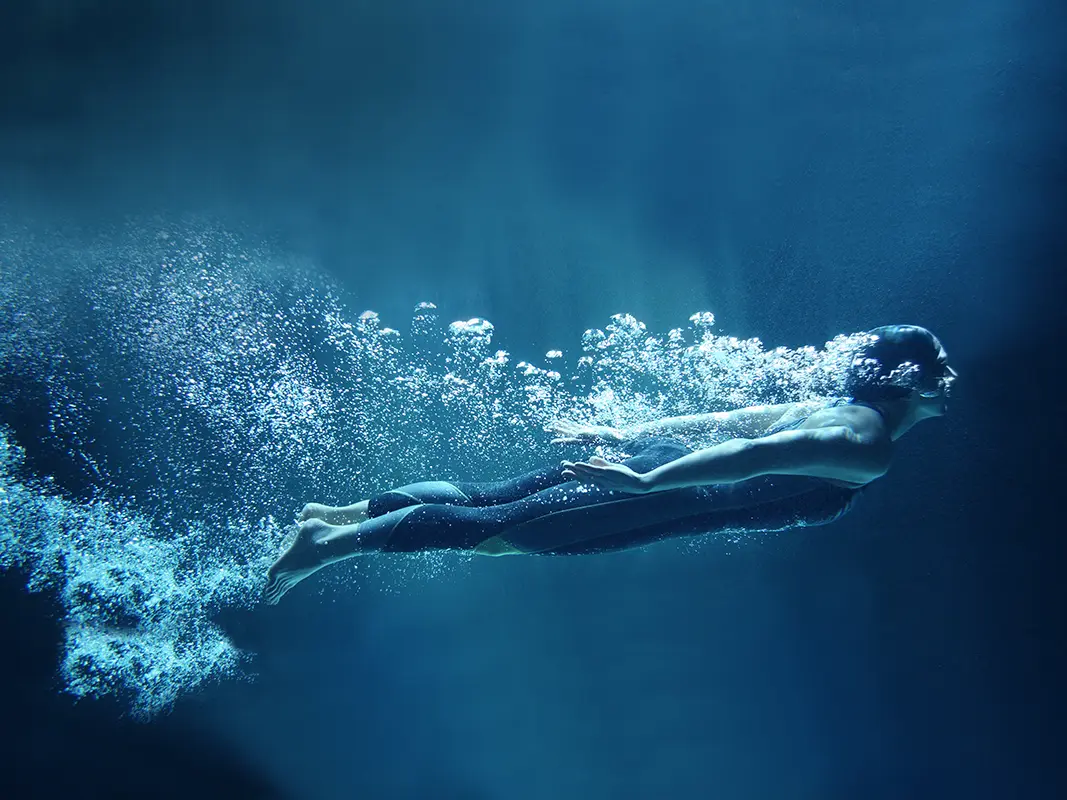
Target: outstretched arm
(835, 453)
(741, 423)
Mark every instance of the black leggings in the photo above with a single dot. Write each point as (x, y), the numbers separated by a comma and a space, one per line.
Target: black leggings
(541, 512)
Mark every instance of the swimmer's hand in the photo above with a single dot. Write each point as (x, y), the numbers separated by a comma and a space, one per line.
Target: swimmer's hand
(568, 432)
(607, 475)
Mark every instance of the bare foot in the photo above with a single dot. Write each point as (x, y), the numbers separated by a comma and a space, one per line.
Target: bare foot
(301, 559)
(334, 515)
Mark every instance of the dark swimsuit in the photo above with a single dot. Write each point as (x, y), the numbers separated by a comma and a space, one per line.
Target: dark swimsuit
(542, 513)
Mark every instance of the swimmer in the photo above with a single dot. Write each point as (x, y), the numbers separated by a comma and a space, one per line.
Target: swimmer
(780, 466)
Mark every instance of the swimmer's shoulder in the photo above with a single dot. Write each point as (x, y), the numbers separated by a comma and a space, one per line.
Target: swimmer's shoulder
(865, 422)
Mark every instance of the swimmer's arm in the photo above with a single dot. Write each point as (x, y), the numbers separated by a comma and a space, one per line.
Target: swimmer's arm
(836, 453)
(740, 423)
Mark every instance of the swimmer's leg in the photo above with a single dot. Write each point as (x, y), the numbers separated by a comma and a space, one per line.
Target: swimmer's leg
(412, 494)
(454, 493)
(466, 493)
(414, 529)
(433, 518)
(319, 544)
(651, 451)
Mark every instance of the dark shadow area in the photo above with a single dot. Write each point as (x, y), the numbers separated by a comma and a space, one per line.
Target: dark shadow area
(56, 748)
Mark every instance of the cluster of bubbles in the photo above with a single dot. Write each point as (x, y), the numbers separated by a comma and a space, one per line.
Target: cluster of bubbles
(192, 387)
(138, 598)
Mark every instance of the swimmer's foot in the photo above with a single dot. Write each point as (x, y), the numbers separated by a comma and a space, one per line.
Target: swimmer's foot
(309, 552)
(335, 515)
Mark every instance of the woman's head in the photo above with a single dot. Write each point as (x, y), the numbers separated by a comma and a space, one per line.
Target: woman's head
(900, 362)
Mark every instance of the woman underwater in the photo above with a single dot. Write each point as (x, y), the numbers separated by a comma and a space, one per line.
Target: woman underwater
(782, 466)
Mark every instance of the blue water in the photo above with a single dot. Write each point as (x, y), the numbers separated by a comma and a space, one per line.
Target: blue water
(267, 254)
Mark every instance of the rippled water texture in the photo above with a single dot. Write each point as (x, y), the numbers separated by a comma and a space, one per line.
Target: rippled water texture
(196, 391)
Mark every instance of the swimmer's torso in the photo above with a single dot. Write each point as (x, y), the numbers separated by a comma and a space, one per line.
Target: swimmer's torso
(863, 420)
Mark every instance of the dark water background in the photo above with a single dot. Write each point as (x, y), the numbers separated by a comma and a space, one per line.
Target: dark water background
(800, 169)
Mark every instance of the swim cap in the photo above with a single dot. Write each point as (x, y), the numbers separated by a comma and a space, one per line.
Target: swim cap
(895, 361)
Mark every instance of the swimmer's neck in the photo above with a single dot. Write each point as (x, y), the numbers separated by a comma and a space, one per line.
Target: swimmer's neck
(902, 415)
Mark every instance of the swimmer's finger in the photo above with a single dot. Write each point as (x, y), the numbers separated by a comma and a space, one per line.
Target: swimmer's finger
(608, 475)
(572, 430)
(572, 474)
(585, 471)
(604, 481)
(561, 426)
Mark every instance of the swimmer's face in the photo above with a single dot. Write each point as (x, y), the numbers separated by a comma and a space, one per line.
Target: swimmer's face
(934, 401)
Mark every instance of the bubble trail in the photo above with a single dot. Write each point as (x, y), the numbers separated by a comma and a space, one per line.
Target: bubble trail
(192, 391)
